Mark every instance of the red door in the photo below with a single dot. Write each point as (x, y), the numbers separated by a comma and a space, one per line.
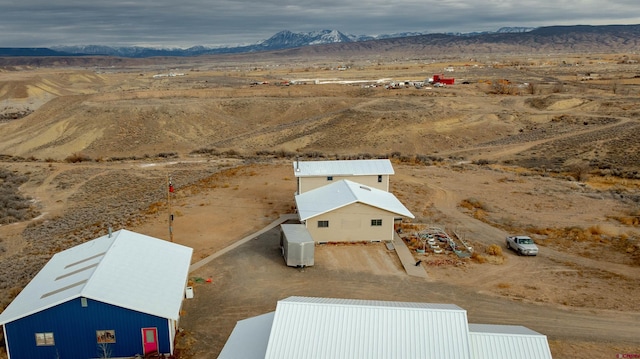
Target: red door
(150, 340)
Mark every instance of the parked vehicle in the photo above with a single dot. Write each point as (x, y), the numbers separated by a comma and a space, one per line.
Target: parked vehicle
(524, 245)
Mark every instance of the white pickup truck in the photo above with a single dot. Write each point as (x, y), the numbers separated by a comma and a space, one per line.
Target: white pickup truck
(523, 245)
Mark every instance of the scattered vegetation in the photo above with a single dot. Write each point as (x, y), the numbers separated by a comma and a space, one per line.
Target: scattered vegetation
(631, 219)
(591, 242)
(14, 207)
(476, 207)
(503, 87)
(77, 157)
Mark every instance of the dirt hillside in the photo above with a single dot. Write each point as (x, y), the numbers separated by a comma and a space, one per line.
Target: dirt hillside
(524, 146)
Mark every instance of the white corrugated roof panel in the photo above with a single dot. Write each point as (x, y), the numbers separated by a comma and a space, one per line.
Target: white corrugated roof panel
(507, 342)
(341, 328)
(341, 193)
(128, 269)
(249, 338)
(343, 168)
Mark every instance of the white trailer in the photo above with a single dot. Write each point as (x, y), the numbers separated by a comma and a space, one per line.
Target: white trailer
(297, 245)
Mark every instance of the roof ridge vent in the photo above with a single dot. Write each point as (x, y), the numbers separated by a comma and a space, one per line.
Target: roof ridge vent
(365, 188)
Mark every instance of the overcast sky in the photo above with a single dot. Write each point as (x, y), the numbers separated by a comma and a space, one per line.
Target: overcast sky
(185, 23)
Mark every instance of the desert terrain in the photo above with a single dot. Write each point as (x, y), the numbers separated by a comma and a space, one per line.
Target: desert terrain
(545, 146)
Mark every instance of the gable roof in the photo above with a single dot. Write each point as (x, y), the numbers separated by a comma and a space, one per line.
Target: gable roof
(319, 328)
(125, 269)
(342, 168)
(257, 329)
(507, 342)
(342, 193)
(345, 328)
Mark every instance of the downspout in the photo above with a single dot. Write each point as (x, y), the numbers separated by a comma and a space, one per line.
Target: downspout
(298, 177)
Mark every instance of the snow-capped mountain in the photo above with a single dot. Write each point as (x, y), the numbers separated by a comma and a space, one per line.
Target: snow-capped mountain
(286, 39)
(282, 40)
(512, 29)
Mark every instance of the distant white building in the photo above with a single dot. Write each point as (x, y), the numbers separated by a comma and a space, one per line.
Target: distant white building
(326, 328)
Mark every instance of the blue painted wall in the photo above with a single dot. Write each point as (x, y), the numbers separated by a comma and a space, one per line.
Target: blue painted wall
(74, 328)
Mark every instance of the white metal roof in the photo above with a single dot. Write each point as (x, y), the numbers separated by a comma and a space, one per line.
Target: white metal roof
(249, 338)
(342, 168)
(507, 342)
(342, 328)
(303, 327)
(344, 192)
(126, 269)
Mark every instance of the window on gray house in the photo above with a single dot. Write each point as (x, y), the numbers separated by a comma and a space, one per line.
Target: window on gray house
(376, 222)
(379, 178)
(329, 178)
(323, 224)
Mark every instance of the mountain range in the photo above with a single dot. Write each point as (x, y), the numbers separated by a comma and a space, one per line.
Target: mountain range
(281, 40)
(578, 38)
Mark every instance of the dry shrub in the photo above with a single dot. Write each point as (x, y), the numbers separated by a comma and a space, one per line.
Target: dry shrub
(579, 171)
(414, 243)
(503, 285)
(77, 157)
(577, 234)
(542, 231)
(595, 230)
(155, 207)
(479, 258)
(628, 220)
(480, 214)
(632, 218)
(494, 250)
(472, 203)
(409, 227)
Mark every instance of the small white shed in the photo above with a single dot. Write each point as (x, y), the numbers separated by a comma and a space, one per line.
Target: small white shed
(297, 245)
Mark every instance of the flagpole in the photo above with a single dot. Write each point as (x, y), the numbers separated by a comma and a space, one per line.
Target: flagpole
(169, 191)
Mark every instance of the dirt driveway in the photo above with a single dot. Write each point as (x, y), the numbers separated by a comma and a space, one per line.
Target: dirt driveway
(251, 279)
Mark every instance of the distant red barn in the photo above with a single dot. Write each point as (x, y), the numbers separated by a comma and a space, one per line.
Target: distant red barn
(439, 78)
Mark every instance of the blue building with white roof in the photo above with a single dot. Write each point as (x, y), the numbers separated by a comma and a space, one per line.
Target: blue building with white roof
(117, 295)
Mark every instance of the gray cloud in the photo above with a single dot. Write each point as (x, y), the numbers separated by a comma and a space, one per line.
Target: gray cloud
(163, 23)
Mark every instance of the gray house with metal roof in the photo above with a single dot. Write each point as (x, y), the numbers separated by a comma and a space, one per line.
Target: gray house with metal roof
(119, 294)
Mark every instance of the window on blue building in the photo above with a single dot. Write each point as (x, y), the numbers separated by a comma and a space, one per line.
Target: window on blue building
(106, 336)
(45, 339)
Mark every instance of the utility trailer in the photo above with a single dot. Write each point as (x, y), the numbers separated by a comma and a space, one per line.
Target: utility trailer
(296, 245)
